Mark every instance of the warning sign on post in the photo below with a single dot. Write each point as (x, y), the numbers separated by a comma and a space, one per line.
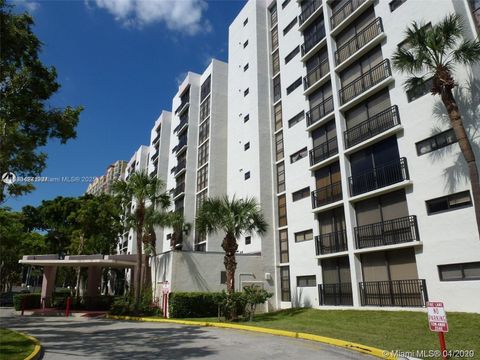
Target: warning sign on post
(437, 319)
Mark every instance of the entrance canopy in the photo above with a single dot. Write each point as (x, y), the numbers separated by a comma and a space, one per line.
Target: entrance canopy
(121, 261)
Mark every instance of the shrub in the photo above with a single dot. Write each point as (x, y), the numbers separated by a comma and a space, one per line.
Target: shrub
(126, 306)
(235, 305)
(254, 295)
(193, 304)
(29, 301)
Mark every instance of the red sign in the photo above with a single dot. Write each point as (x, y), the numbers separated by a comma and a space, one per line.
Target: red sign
(437, 319)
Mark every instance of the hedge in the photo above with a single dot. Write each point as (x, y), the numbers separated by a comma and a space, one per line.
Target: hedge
(193, 304)
(29, 301)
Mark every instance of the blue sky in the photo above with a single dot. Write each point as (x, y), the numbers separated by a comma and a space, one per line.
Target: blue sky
(122, 60)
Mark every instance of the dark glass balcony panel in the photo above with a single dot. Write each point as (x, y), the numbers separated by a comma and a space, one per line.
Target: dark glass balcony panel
(183, 121)
(313, 40)
(374, 125)
(320, 111)
(341, 14)
(381, 176)
(335, 294)
(367, 34)
(309, 10)
(404, 293)
(323, 151)
(327, 195)
(365, 81)
(316, 73)
(389, 232)
(179, 189)
(180, 166)
(331, 243)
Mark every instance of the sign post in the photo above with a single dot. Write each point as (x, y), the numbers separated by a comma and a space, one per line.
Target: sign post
(437, 322)
(166, 291)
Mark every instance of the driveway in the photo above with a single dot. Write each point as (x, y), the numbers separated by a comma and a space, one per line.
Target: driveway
(87, 338)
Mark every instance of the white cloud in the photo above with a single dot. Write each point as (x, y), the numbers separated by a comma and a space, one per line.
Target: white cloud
(30, 6)
(179, 15)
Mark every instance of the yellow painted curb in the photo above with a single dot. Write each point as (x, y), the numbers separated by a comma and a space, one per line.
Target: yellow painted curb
(37, 348)
(383, 354)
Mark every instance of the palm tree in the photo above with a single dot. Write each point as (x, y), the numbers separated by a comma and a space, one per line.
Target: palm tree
(233, 217)
(180, 228)
(146, 193)
(433, 52)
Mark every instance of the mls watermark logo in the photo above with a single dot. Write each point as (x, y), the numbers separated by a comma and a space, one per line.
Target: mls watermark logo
(9, 178)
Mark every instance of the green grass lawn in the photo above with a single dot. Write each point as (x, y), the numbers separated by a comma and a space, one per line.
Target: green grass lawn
(14, 346)
(387, 330)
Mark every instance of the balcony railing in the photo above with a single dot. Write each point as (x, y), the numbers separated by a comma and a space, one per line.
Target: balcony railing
(309, 10)
(335, 294)
(342, 13)
(179, 189)
(183, 121)
(331, 243)
(181, 143)
(387, 174)
(405, 293)
(320, 111)
(182, 106)
(313, 40)
(327, 195)
(323, 151)
(374, 125)
(389, 232)
(359, 40)
(365, 81)
(180, 166)
(316, 74)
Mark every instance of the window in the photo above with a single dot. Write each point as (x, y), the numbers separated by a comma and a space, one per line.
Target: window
(279, 146)
(285, 3)
(275, 63)
(205, 109)
(245, 68)
(248, 240)
(273, 15)
(294, 85)
(420, 90)
(245, 44)
(306, 281)
(289, 26)
(277, 91)
(247, 175)
(298, 155)
(245, 22)
(246, 118)
(301, 194)
(282, 211)
(296, 119)
(459, 272)
(304, 235)
(203, 131)
(292, 54)
(435, 142)
(203, 154)
(274, 35)
(449, 202)
(283, 238)
(245, 93)
(285, 283)
(395, 4)
(223, 277)
(205, 89)
(202, 178)
(281, 177)
(278, 116)
(201, 198)
(246, 146)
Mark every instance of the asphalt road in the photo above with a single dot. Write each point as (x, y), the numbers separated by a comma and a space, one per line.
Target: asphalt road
(83, 338)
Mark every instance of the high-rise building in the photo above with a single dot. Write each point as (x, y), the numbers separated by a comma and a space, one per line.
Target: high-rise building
(103, 184)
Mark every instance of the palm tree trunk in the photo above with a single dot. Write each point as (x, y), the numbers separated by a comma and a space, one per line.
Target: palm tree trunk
(230, 246)
(139, 269)
(466, 148)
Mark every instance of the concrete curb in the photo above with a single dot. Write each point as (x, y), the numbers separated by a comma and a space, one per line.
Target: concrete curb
(37, 348)
(383, 354)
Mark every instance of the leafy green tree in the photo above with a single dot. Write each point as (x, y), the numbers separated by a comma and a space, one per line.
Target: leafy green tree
(435, 52)
(254, 295)
(142, 192)
(234, 217)
(26, 119)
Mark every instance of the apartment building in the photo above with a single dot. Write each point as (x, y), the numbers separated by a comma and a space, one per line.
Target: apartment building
(366, 215)
(103, 184)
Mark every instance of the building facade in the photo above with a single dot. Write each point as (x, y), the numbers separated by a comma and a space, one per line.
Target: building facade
(103, 184)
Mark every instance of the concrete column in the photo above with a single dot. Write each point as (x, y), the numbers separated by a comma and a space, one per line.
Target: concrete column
(48, 283)
(94, 280)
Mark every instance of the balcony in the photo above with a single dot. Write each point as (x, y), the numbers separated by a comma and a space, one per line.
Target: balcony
(180, 166)
(365, 81)
(335, 294)
(384, 175)
(389, 232)
(182, 143)
(308, 11)
(312, 41)
(327, 195)
(331, 243)
(183, 122)
(182, 107)
(404, 293)
(323, 151)
(180, 189)
(317, 73)
(366, 35)
(344, 12)
(320, 111)
(373, 126)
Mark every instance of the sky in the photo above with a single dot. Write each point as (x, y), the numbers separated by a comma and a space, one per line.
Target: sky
(122, 60)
